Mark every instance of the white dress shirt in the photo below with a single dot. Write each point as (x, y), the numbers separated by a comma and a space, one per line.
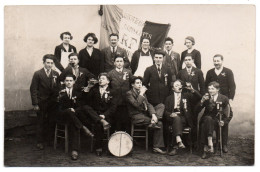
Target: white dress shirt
(69, 92)
(218, 71)
(177, 100)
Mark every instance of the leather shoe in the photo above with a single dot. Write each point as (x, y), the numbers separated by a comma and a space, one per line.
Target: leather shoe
(87, 132)
(74, 155)
(204, 155)
(40, 146)
(154, 126)
(99, 152)
(173, 152)
(158, 150)
(225, 149)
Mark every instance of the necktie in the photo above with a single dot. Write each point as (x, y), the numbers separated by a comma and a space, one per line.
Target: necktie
(159, 70)
(113, 49)
(189, 71)
(69, 94)
(48, 72)
(178, 100)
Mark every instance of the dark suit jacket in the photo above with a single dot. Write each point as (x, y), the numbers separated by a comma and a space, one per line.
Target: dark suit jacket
(60, 47)
(109, 58)
(93, 63)
(196, 56)
(157, 90)
(169, 107)
(101, 105)
(211, 108)
(195, 78)
(65, 102)
(119, 85)
(135, 59)
(43, 88)
(135, 104)
(173, 65)
(81, 80)
(225, 79)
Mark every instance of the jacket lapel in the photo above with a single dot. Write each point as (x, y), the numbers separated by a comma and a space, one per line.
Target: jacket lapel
(45, 78)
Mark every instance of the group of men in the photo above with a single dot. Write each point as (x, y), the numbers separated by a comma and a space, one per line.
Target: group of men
(103, 90)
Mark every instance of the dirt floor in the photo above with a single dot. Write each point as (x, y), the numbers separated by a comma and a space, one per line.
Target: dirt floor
(21, 152)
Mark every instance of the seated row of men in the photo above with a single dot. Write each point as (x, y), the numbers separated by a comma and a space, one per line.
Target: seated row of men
(83, 103)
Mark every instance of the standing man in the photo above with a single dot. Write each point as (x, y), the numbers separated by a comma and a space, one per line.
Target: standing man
(120, 83)
(157, 79)
(63, 50)
(227, 87)
(210, 119)
(143, 113)
(44, 92)
(172, 58)
(189, 42)
(142, 58)
(82, 74)
(110, 52)
(223, 76)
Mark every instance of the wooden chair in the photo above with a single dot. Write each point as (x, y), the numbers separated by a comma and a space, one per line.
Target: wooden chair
(140, 129)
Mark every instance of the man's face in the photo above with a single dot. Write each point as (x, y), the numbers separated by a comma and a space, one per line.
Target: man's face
(103, 81)
(69, 82)
(177, 87)
(119, 63)
(188, 61)
(48, 64)
(90, 42)
(217, 62)
(137, 84)
(168, 45)
(158, 59)
(74, 61)
(66, 39)
(113, 41)
(145, 43)
(188, 43)
(212, 90)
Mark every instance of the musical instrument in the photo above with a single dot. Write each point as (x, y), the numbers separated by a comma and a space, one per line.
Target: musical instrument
(220, 113)
(120, 144)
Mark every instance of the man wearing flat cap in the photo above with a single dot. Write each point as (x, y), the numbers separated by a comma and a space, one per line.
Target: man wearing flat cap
(189, 42)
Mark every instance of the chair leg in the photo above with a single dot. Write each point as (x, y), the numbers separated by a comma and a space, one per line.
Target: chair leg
(79, 139)
(132, 130)
(66, 139)
(55, 137)
(146, 139)
(191, 144)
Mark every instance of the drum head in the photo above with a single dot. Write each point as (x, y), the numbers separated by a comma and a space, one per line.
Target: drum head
(120, 144)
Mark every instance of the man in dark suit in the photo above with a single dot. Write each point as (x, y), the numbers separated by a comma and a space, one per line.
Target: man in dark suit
(69, 101)
(101, 105)
(120, 83)
(157, 78)
(210, 119)
(90, 57)
(82, 74)
(225, 78)
(142, 58)
(190, 42)
(44, 92)
(62, 51)
(172, 58)
(143, 113)
(178, 113)
(109, 53)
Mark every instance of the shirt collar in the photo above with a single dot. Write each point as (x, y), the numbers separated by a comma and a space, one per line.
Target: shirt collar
(103, 88)
(189, 69)
(46, 69)
(215, 97)
(119, 70)
(112, 48)
(160, 66)
(219, 69)
(145, 51)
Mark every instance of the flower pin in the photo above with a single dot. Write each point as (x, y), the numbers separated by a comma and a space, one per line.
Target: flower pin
(74, 99)
(192, 73)
(80, 73)
(223, 74)
(165, 78)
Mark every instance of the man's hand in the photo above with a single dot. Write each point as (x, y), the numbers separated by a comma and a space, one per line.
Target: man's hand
(205, 97)
(230, 102)
(72, 110)
(173, 115)
(36, 107)
(143, 90)
(102, 116)
(154, 118)
(221, 123)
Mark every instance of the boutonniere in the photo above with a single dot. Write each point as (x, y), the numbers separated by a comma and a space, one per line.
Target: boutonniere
(223, 74)
(184, 101)
(166, 79)
(54, 78)
(80, 73)
(107, 96)
(74, 99)
(192, 73)
(126, 76)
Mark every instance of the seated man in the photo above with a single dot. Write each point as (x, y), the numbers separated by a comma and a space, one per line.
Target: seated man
(143, 113)
(101, 105)
(69, 100)
(210, 118)
(178, 112)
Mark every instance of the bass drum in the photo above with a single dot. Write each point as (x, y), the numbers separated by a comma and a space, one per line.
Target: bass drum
(120, 144)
